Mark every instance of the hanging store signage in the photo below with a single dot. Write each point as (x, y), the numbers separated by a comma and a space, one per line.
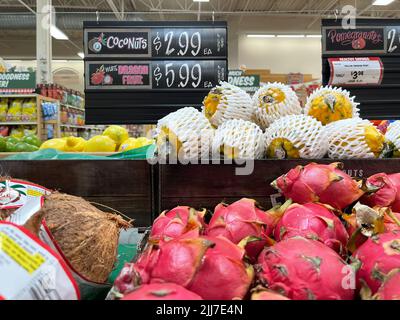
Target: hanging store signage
(355, 71)
(138, 72)
(157, 74)
(249, 83)
(360, 40)
(17, 80)
(157, 42)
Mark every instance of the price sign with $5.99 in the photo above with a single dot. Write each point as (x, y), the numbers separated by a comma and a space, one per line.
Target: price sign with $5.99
(194, 74)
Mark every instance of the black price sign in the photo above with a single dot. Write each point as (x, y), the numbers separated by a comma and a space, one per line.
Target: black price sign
(360, 40)
(156, 42)
(393, 39)
(157, 74)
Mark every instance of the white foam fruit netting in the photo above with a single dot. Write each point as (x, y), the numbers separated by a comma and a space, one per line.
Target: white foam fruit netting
(273, 101)
(192, 130)
(234, 103)
(327, 96)
(393, 134)
(245, 137)
(347, 139)
(307, 135)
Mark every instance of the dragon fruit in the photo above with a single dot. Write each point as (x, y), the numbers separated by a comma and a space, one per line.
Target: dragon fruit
(378, 256)
(244, 220)
(383, 190)
(211, 267)
(161, 291)
(319, 183)
(365, 222)
(313, 221)
(304, 269)
(176, 222)
(390, 289)
(261, 293)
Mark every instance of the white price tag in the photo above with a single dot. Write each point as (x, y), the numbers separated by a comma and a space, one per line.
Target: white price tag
(355, 71)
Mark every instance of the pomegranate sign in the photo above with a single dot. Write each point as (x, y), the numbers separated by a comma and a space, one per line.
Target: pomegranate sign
(361, 40)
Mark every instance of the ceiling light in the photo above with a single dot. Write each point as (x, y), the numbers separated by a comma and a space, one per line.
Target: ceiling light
(313, 36)
(81, 54)
(201, 0)
(260, 36)
(57, 33)
(61, 61)
(382, 2)
(290, 35)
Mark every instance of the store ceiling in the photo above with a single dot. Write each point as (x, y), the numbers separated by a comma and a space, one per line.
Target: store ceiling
(17, 22)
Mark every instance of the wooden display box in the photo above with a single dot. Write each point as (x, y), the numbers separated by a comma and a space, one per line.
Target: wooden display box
(125, 185)
(207, 185)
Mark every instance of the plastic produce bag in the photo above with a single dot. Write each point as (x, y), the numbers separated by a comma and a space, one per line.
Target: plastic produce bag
(3, 109)
(15, 110)
(29, 110)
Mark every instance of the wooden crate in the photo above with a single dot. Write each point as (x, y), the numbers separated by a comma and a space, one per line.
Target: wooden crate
(207, 185)
(125, 185)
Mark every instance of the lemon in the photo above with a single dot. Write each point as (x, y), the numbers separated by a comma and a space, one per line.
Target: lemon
(75, 144)
(143, 141)
(100, 144)
(117, 133)
(129, 144)
(58, 144)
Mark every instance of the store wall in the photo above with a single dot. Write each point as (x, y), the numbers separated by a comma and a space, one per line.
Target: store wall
(281, 55)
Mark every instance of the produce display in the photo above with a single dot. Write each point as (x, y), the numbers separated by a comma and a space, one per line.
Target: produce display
(113, 139)
(302, 250)
(328, 126)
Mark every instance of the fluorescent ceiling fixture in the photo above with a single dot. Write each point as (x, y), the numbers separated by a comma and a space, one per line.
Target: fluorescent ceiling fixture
(60, 60)
(382, 2)
(81, 54)
(201, 0)
(290, 35)
(261, 36)
(57, 33)
(313, 36)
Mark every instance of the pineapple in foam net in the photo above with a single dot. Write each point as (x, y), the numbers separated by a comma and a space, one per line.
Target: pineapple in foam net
(329, 104)
(238, 139)
(393, 138)
(355, 138)
(185, 133)
(296, 136)
(226, 102)
(273, 101)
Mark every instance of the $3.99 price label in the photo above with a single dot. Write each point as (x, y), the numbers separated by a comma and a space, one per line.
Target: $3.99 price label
(355, 71)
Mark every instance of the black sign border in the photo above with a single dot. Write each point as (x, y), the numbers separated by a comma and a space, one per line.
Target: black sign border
(363, 52)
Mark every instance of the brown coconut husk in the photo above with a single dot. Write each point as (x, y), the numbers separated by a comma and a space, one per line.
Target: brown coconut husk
(87, 236)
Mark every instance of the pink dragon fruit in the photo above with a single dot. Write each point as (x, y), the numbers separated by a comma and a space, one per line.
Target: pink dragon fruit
(390, 289)
(313, 221)
(211, 267)
(304, 269)
(383, 190)
(378, 256)
(161, 291)
(244, 220)
(261, 293)
(176, 222)
(319, 183)
(364, 222)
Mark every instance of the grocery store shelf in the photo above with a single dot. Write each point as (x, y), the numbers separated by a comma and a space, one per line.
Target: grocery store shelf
(72, 107)
(29, 95)
(87, 127)
(18, 123)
